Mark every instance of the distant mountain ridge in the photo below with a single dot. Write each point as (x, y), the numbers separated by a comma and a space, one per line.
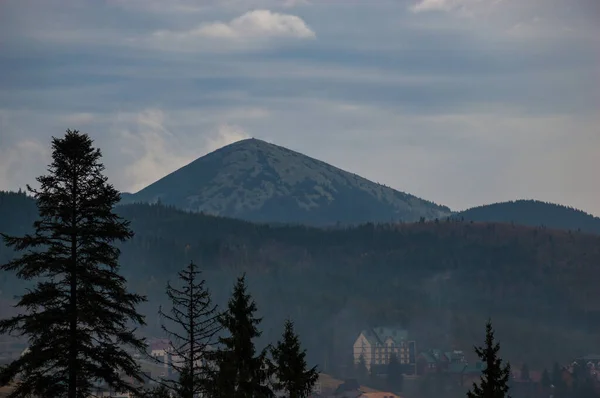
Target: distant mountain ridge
(533, 213)
(262, 182)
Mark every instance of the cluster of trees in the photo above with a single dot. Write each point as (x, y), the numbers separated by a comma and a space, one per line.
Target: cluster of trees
(496, 379)
(394, 375)
(81, 321)
(219, 365)
(580, 385)
(494, 382)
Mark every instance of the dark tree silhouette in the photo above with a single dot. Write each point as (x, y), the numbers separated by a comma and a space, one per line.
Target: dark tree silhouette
(395, 378)
(291, 370)
(560, 386)
(240, 373)
(362, 373)
(546, 381)
(495, 378)
(194, 324)
(76, 318)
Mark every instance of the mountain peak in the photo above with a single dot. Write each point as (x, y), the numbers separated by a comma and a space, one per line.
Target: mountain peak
(256, 180)
(251, 144)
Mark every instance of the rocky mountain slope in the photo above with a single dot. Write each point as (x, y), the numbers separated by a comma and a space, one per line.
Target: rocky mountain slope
(257, 181)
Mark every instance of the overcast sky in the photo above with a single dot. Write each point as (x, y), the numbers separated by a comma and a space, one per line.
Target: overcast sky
(463, 102)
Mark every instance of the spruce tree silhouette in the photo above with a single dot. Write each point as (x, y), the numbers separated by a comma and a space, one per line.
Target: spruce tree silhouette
(495, 377)
(240, 373)
(77, 318)
(292, 373)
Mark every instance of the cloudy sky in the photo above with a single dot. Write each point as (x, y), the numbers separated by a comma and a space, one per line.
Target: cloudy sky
(462, 102)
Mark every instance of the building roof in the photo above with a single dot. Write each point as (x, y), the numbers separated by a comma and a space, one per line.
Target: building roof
(429, 358)
(380, 334)
(477, 367)
(454, 355)
(437, 354)
(380, 394)
(465, 368)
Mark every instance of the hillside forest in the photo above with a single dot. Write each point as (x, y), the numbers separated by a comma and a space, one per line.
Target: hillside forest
(440, 279)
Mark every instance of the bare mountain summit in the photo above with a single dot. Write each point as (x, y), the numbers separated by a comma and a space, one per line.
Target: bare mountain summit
(257, 181)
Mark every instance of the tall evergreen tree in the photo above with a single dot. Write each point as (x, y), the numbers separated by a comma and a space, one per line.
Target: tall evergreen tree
(495, 378)
(291, 371)
(240, 373)
(195, 323)
(78, 317)
(560, 386)
(395, 378)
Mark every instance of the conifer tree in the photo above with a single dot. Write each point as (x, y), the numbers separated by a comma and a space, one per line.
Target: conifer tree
(291, 370)
(495, 377)
(560, 385)
(395, 378)
(546, 381)
(240, 373)
(78, 316)
(195, 323)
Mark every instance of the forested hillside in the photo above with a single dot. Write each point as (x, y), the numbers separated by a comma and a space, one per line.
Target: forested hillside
(440, 279)
(533, 213)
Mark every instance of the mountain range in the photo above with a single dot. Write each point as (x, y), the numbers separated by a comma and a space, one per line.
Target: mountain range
(261, 182)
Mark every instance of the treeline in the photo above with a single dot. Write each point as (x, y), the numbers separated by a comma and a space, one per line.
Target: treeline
(213, 351)
(81, 320)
